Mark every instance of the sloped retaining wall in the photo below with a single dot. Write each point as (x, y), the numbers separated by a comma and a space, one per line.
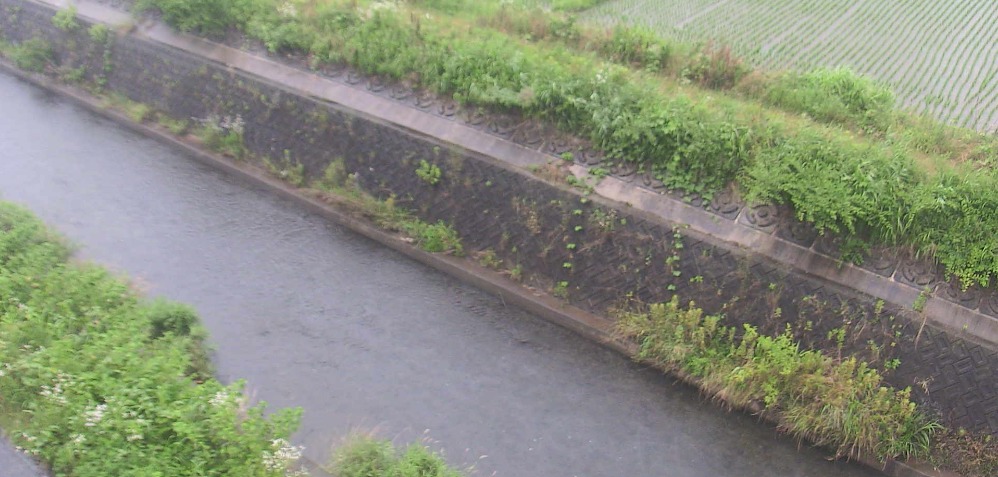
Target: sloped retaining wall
(595, 251)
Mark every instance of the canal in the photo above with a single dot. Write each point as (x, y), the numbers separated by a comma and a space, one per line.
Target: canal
(361, 337)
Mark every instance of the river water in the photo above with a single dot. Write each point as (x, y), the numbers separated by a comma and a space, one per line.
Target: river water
(360, 336)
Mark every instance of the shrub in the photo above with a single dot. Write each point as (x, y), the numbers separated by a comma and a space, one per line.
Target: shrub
(95, 383)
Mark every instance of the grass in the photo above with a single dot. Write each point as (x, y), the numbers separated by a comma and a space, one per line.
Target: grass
(95, 382)
(366, 456)
(839, 403)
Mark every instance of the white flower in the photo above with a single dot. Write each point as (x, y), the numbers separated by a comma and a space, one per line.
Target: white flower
(219, 399)
(283, 455)
(95, 415)
(134, 437)
(56, 392)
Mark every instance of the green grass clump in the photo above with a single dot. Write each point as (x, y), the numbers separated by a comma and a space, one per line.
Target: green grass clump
(33, 55)
(366, 456)
(94, 382)
(836, 96)
(840, 404)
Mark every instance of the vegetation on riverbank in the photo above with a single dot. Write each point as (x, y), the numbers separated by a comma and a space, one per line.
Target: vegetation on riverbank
(95, 382)
(366, 456)
(880, 182)
(840, 403)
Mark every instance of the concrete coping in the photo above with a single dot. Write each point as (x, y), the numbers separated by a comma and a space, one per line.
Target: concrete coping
(737, 230)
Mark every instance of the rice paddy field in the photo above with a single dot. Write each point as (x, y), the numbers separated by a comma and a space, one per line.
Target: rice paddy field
(940, 57)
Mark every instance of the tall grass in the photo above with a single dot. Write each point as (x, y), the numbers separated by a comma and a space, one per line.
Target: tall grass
(840, 404)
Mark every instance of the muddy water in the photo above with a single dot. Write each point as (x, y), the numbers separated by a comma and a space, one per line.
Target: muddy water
(359, 336)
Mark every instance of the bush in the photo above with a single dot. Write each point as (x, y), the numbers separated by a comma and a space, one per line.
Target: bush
(95, 383)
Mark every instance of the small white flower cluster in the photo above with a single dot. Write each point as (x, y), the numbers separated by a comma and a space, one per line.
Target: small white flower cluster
(219, 399)
(602, 76)
(287, 10)
(94, 415)
(283, 455)
(29, 447)
(56, 392)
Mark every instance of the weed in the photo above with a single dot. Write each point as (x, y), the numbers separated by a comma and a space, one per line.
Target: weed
(65, 19)
(436, 238)
(429, 173)
(34, 54)
(177, 127)
(516, 273)
(560, 290)
(224, 134)
(488, 258)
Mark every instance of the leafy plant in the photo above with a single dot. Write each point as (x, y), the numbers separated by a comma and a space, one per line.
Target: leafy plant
(65, 19)
(34, 54)
(437, 238)
(429, 173)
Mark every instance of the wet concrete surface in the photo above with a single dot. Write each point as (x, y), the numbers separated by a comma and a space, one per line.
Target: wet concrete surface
(361, 337)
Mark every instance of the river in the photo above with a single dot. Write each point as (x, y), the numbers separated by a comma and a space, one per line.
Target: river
(360, 336)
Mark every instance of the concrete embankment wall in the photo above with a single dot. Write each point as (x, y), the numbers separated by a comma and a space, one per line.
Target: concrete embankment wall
(503, 189)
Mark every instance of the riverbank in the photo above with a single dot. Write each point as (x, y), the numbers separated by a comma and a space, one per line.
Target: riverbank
(560, 259)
